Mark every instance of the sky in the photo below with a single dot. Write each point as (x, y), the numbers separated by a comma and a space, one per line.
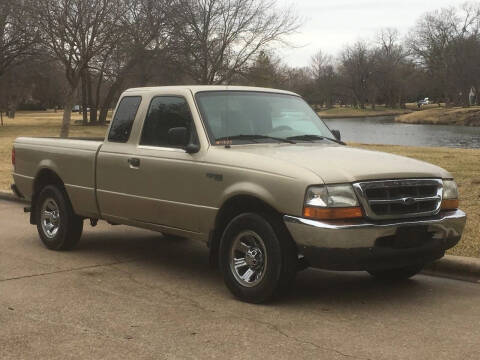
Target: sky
(329, 25)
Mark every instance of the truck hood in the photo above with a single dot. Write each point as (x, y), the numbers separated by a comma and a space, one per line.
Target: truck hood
(338, 164)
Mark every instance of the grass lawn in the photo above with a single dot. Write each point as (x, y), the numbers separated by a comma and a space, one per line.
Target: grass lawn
(464, 164)
(380, 110)
(443, 116)
(346, 112)
(37, 123)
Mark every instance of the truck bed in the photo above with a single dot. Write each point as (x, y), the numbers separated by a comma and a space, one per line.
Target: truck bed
(72, 159)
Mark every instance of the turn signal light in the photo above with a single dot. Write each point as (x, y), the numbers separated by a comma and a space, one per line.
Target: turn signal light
(13, 156)
(332, 213)
(449, 204)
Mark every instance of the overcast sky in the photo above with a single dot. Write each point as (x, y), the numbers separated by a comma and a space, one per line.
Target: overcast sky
(331, 24)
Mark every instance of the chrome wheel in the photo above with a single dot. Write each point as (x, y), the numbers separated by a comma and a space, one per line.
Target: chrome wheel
(248, 258)
(50, 218)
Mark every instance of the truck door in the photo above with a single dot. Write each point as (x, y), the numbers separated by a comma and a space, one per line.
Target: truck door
(150, 180)
(113, 168)
(169, 179)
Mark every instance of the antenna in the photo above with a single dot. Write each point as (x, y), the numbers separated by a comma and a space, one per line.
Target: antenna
(227, 141)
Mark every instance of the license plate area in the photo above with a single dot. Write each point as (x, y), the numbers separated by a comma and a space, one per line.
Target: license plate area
(406, 238)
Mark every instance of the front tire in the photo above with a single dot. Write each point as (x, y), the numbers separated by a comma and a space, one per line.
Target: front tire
(258, 259)
(58, 226)
(397, 274)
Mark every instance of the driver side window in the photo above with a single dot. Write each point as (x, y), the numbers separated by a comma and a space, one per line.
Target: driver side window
(165, 113)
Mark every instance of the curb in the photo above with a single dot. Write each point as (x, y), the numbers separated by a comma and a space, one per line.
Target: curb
(455, 267)
(450, 266)
(9, 196)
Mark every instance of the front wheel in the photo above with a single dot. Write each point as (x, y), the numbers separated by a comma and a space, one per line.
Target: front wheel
(58, 226)
(397, 273)
(257, 259)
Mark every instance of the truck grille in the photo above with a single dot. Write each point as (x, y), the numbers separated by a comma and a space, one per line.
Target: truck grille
(393, 199)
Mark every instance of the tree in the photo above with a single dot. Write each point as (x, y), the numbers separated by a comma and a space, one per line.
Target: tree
(357, 66)
(446, 44)
(145, 33)
(17, 34)
(218, 38)
(392, 68)
(36, 83)
(74, 31)
(325, 79)
(266, 71)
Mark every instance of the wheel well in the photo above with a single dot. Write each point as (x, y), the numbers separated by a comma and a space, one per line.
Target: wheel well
(44, 177)
(231, 208)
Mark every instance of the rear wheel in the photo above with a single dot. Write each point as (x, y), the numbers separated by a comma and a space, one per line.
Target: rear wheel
(257, 259)
(397, 273)
(58, 226)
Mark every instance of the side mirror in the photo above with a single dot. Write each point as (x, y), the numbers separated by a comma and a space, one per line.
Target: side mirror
(178, 136)
(192, 148)
(337, 135)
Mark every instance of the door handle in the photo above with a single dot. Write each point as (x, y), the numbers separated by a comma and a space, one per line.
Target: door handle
(134, 162)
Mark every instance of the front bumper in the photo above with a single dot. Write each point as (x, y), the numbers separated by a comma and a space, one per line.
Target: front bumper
(364, 245)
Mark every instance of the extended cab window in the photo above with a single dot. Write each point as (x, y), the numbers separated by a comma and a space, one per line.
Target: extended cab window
(165, 113)
(123, 121)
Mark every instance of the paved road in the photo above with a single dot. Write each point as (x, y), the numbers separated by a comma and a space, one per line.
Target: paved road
(127, 293)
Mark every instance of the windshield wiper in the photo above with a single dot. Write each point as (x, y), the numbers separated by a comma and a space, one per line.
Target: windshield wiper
(254, 137)
(311, 137)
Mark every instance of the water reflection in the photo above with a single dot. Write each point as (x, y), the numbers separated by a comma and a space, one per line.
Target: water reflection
(384, 130)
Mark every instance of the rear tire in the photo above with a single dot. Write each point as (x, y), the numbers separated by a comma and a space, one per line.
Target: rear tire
(258, 259)
(58, 226)
(397, 274)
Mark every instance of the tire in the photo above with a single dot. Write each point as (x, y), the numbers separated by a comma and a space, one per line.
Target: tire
(397, 274)
(258, 259)
(58, 226)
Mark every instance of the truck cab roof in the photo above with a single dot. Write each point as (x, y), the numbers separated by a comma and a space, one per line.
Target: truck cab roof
(199, 88)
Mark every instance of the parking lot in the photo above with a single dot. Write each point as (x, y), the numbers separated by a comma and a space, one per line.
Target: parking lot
(129, 293)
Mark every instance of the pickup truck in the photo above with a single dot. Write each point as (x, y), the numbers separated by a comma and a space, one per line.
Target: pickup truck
(253, 173)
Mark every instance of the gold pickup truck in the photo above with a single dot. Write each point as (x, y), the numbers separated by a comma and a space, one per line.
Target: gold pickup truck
(253, 173)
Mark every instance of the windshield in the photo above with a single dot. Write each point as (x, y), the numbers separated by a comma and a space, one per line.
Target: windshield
(240, 117)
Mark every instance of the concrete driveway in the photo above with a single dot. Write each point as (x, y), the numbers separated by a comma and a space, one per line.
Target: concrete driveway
(127, 293)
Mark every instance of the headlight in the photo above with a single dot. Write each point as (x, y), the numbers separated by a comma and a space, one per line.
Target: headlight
(450, 195)
(331, 202)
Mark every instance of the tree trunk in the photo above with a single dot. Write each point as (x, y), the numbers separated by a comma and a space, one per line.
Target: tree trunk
(67, 113)
(93, 114)
(1, 117)
(11, 111)
(448, 103)
(84, 97)
(108, 101)
(95, 106)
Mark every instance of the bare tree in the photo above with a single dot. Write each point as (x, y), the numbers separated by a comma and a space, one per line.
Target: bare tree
(446, 44)
(75, 31)
(325, 79)
(218, 38)
(392, 68)
(17, 34)
(357, 66)
(144, 32)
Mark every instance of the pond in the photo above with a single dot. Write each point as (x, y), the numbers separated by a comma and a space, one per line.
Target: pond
(384, 130)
